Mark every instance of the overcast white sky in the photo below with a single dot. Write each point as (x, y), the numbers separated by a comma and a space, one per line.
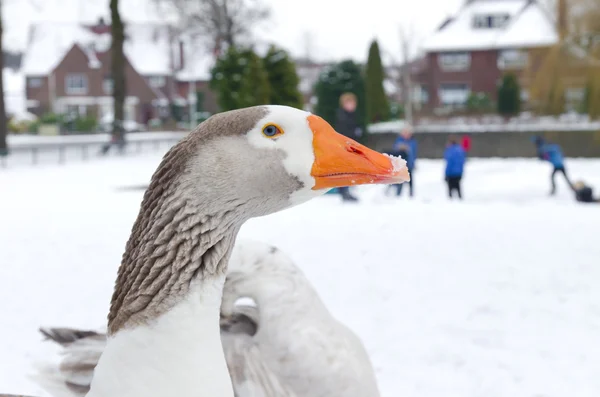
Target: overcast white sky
(336, 28)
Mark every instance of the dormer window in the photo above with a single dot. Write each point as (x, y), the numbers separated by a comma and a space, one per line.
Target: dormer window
(490, 21)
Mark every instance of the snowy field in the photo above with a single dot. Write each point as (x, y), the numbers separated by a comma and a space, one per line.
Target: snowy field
(498, 295)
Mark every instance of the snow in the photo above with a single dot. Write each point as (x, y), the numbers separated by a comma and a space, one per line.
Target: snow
(20, 15)
(14, 91)
(496, 296)
(386, 127)
(528, 26)
(532, 28)
(146, 46)
(49, 43)
(398, 163)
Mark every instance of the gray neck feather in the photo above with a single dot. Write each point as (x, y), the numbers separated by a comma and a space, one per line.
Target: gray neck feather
(189, 218)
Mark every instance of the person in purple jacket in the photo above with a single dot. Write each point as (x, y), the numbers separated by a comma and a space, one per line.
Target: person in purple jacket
(455, 157)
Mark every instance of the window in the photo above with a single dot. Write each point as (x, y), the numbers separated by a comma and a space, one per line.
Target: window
(157, 81)
(491, 21)
(34, 82)
(480, 21)
(575, 94)
(453, 94)
(512, 59)
(76, 84)
(76, 110)
(107, 85)
(421, 94)
(456, 61)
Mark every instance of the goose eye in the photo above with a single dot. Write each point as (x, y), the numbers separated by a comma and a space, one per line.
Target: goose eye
(271, 131)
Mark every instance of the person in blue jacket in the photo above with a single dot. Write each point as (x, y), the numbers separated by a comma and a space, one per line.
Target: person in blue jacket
(406, 147)
(455, 162)
(553, 154)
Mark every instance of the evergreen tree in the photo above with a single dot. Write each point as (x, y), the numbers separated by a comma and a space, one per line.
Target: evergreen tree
(240, 80)
(334, 81)
(509, 95)
(283, 79)
(378, 108)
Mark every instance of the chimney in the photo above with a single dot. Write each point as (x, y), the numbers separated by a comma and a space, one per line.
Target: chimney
(562, 19)
(181, 55)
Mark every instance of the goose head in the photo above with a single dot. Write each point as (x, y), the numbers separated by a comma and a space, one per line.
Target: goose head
(273, 157)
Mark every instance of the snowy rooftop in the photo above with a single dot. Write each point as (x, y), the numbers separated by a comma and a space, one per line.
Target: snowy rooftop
(527, 25)
(146, 46)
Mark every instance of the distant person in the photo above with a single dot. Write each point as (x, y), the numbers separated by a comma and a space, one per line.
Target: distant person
(405, 146)
(346, 123)
(584, 193)
(455, 157)
(466, 143)
(553, 154)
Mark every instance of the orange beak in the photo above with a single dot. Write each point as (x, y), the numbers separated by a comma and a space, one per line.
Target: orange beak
(340, 161)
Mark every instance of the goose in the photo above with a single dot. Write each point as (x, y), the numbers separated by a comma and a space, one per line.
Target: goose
(163, 333)
(270, 348)
(251, 376)
(303, 343)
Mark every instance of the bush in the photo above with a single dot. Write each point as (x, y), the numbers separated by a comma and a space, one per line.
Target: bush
(51, 118)
(509, 95)
(283, 78)
(240, 80)
(85, 124)
(479, 102)
(19, 126)
(345, 76)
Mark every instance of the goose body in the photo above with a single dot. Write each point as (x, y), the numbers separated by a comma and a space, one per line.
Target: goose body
(251, 376)
(289, 345)
(163, 334)
(305, 346)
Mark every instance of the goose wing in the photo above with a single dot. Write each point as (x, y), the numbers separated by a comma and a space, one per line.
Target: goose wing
(250, 374)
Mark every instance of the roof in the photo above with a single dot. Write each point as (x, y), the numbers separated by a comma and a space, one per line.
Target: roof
(528, 26)
(146, 46)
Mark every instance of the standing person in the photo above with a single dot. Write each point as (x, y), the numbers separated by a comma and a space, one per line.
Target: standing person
(346, 123)
(455, 161)
(553, 154)
(405, 146)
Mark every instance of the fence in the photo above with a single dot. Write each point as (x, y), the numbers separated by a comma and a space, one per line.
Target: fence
(33, 149)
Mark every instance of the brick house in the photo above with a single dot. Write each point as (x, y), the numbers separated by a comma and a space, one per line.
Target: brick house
(67, 70)
(470, 52)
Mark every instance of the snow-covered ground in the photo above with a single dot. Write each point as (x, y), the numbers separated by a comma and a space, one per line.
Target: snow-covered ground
(498, 295)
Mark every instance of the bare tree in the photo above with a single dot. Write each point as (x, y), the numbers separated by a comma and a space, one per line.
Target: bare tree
(118, 71)
(407, 38)
(3, 120)
(219, 23)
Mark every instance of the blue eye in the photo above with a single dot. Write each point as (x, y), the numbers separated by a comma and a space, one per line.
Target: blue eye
(271, 131)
